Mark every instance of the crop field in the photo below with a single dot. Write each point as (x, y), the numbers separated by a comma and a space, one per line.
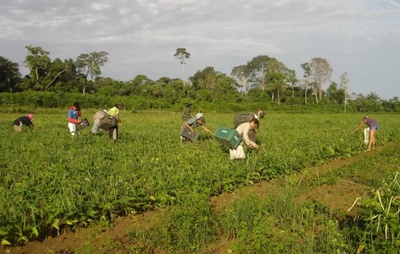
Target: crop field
(50, 181)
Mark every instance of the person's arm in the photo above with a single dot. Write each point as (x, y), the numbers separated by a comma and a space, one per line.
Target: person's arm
(189, 127)
(30, 125)
(359, 126)
(247, 140)
(207, 130)
(71, 119)
(118, 119)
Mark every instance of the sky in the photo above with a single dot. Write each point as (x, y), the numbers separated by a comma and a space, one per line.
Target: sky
(360, 37)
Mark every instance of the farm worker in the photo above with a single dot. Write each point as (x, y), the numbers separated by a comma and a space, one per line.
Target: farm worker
(114, 112)
(186, 113)
(260, 114)
(244, 129)
(245, 118)
(194, 123)
(96, 121)
(74, 112)
(23, 120)
(373, 128)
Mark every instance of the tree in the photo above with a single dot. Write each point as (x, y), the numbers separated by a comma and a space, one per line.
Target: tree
(58, 70)
(241, 74)
(9, 75)
(277, 75)
(213, 84)
(89, 64)
(344, 81)
(333, 92)
(43, 71)
(182, 55)
(292, 80)
(38, 62)
(306, 79)
(276, 84)
(257, 68)
(320, 73)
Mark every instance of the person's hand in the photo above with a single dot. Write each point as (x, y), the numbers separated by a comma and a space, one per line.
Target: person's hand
(254, 146)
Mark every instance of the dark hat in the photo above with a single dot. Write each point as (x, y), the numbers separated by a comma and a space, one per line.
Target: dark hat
(119, 104)
(76, 105)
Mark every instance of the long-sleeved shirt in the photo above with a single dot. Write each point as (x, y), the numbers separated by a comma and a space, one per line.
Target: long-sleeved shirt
(243, 130)
(24, 120)
(73, 115)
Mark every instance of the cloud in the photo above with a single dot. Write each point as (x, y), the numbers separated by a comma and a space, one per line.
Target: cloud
(141, 36)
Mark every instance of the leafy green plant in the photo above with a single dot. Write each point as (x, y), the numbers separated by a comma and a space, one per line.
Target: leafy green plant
(382, 215)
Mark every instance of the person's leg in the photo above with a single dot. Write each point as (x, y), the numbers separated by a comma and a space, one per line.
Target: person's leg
(72, 128)
(110, 132)
(371, 139)
(113, 132)
(95, 129)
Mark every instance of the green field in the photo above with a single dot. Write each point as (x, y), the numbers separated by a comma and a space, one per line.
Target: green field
(50, 180)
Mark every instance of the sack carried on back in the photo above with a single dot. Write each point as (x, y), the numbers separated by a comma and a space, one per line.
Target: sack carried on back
(107, 122)
(243, 118)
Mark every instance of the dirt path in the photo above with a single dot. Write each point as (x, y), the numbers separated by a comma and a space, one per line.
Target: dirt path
(340, 196)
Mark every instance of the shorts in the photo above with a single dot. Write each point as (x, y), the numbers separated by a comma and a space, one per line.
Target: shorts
(17, 128)
(374, 128)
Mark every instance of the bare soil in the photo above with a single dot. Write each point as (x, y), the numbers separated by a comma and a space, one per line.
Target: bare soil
(339, 196)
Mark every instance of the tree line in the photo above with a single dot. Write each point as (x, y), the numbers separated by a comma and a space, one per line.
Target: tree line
(263, 81)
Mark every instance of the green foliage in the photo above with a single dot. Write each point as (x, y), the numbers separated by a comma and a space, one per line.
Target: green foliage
(9, 75)
(381, 213)
(50, 181)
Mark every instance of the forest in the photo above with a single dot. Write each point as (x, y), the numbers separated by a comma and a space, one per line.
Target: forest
(262, 82)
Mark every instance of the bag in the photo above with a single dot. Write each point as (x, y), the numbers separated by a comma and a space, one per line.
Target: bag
(107, 122)
(84, 123)
(237, 153)
(243, 118)
(366, 136)
(252, 135)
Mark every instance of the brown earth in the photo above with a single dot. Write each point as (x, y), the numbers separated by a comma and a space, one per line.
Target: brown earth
(339, 196)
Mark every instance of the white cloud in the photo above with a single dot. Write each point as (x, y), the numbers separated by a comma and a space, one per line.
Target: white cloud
(360, 37)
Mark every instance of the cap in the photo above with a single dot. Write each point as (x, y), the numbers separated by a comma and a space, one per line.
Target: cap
(119, 104)
(30, 116)
(365, 117)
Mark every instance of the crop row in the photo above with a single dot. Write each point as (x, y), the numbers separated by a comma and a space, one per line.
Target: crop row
(50, 181)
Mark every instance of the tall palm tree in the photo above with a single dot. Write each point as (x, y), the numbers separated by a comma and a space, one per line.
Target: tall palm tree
(182, 55)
